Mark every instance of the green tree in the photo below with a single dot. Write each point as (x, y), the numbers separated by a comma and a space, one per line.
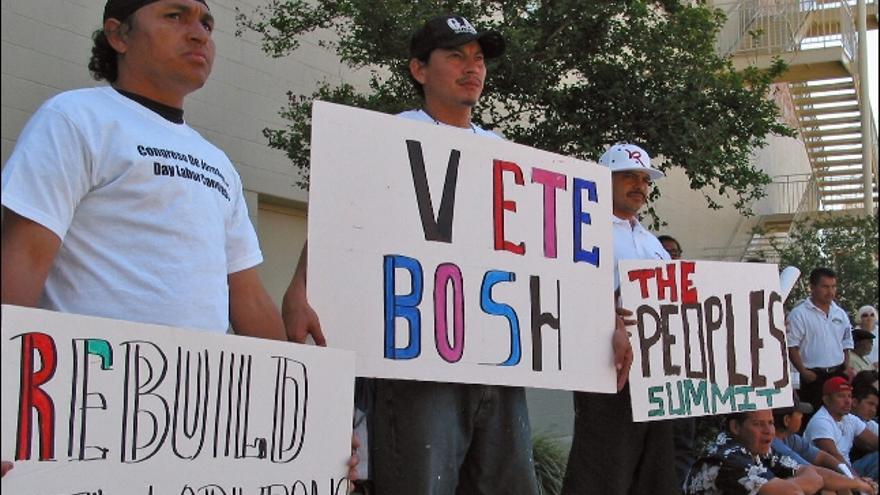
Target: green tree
(577, 76)
(847, 245)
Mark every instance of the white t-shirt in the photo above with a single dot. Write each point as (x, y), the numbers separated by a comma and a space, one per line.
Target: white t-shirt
(843, 433)
(151, 215)
(634, 242)
(422, 116)
(820, 338)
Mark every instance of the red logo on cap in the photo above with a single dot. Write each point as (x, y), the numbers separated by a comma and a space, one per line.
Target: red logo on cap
(635, 155)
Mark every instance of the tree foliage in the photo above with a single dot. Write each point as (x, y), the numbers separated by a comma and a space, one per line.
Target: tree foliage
(847, 245)
(576, 77)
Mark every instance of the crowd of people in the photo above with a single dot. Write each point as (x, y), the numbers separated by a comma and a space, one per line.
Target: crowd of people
(91, 226)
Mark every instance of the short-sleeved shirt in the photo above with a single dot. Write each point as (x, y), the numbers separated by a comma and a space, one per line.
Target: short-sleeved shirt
(802, 447)
(782, 448)
(633, 242)
(422, 116)
(821, 338)
(726, 467)
(843, 433)
(151, 216)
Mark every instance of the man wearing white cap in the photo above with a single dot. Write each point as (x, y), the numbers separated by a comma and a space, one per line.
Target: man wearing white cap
(610, 453)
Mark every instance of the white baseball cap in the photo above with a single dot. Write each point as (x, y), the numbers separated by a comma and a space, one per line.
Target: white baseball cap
(623, 156)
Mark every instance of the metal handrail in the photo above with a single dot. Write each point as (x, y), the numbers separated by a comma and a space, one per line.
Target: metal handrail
(757, 27)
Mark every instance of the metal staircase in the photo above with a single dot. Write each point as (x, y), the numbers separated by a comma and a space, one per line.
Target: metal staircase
(818, 41)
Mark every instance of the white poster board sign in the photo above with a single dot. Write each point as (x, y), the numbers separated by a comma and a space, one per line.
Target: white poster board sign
(437, 254)
(710, 338)
(100, 406)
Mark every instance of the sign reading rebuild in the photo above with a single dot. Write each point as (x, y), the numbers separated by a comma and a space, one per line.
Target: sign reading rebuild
(99, 406)
(710, 338)
(438, 254)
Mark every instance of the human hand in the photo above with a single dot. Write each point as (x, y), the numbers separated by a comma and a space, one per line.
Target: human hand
(300, 320)
(867, 486)
(623, 352)
(808, 376)
(354, 460)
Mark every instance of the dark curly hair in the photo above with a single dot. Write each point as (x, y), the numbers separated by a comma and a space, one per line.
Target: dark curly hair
(104, 63)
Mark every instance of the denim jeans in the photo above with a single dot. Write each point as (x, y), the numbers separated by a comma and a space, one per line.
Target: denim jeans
(430, 438)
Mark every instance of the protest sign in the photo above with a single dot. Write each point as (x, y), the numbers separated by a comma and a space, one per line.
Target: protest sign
(438, 254)
(710, 338)
(100, 406)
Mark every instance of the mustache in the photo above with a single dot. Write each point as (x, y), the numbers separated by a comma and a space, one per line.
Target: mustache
(470, 79)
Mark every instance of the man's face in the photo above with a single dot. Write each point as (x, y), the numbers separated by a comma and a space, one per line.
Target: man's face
(839, 404)
(866, 408)
(672, 248)
(169, 46)
(863, 346)
(824, 291)
(452, 77)
(630, 190)
(867, 320)
(794, 421)
(756, 432)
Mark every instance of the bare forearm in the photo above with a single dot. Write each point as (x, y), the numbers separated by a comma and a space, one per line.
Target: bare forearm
(251, 310)
(297, 288)
(794, 355)
(27, 251)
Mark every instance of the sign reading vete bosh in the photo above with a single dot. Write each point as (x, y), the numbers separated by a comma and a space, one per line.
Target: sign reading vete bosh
(438, 254)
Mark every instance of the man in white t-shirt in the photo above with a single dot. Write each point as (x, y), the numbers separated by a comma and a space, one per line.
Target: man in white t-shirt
(819, 336)
(835, 430)
(114, 207)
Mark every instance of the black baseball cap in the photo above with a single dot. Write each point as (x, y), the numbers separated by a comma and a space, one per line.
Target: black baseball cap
(859, 334)
(449, 31)
(121, 9)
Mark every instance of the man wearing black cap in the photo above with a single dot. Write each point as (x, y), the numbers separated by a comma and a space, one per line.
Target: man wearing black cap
(426, 437)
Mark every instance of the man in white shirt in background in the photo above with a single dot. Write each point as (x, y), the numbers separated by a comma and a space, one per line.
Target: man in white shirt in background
(819, 337)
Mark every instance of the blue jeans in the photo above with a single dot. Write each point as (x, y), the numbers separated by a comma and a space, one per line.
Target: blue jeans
(430, 438)
(867, 465)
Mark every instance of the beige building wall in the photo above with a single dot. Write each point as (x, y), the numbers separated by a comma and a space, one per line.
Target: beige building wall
(723, 234)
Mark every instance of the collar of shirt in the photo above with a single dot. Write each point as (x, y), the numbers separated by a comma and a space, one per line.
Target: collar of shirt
(634, 224)
(832, 309)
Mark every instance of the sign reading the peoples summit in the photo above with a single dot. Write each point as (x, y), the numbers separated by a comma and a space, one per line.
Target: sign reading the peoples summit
(99, 406)
(710, 338)
(439, 254)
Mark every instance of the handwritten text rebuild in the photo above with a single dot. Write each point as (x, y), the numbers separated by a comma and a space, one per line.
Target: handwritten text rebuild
(130, 408)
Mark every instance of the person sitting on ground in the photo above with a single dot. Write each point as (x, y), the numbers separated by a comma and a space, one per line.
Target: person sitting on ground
(859, 359)
(835, 430)
(788, 422)
(866, 378)
(741, 461)
(865, 402)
